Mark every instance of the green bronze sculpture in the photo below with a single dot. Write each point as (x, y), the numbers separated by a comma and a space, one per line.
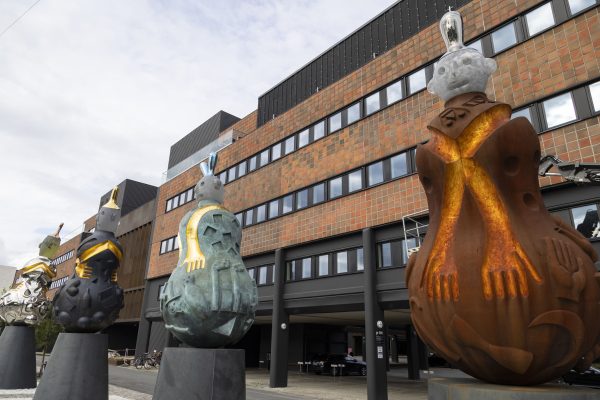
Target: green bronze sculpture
(210, 299)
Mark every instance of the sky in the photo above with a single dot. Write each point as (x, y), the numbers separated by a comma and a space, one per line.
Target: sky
(94, 92)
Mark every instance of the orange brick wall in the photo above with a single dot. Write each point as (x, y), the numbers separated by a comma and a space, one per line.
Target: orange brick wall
(558, 59)
(65, 268)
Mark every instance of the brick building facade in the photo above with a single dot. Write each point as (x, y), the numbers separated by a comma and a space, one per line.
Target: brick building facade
(332, 178)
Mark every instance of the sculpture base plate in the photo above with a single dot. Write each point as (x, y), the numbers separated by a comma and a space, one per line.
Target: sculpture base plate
(202, 374)
(17, 358)
(471, 389)
(77, 369)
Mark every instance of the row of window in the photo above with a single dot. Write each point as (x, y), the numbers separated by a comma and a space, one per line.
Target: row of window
(168, 245)
(58, 282)
(520, 29)
(376, 173)
(530, 24)
(62, 258)
(263, 275)
(180, 199)
(565, 108)
(584, 218)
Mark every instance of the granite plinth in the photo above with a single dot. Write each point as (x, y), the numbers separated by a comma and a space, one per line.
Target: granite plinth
(77, 369)
(17, 356)
(201, 374)
(470, 389)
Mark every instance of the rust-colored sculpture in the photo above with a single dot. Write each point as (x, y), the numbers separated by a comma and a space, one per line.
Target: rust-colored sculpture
(500, 288)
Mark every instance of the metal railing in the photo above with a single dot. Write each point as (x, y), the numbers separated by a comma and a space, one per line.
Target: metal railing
(415, 232)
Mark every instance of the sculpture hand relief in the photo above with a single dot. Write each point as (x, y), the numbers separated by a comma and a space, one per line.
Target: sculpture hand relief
(499, 287)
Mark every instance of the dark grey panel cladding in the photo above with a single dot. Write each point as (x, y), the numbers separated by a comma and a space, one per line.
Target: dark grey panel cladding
(388, 29)
(201, 136)
(132, 194)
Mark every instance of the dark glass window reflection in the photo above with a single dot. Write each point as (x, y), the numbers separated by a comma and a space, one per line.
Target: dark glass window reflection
(302, 199)
(399, 166)
(318, 193)
(335, 188)
(585, 220)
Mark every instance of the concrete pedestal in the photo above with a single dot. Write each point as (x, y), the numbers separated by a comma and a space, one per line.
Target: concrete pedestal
(77, 369)
(17, 358)
(470, 389)
(201, 374)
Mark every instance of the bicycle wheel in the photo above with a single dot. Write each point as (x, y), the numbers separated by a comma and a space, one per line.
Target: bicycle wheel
(148, 364)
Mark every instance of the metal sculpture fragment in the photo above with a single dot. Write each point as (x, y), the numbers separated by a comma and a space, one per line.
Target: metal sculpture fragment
(25, 302)
(91, 299)
(500, 288)
(209, 300)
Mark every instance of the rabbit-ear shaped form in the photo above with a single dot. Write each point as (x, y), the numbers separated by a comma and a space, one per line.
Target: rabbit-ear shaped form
(204, 168)
(212, 162)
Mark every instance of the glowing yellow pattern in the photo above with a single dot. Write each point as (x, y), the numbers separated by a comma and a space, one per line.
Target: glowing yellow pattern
(505, 262)
(39, 266)
(85, 271)
(195, 257)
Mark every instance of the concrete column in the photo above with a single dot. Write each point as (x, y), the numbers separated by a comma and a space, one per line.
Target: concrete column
(280, 336)
(376, 346)
(143, 336)
(412, 353)
(423, 355)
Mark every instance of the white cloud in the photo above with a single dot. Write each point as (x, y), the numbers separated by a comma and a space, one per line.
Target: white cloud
(93, 92)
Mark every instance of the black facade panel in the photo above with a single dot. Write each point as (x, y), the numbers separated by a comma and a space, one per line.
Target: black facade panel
(201, 136)
(395, 25)
(132, 194)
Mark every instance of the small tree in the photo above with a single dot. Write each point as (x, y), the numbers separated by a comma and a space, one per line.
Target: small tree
(46, 333)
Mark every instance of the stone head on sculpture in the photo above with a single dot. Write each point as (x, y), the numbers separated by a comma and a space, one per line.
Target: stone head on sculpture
(461, 69)
(25, 302)
(91, 299)
(498, 282)
(209, 300)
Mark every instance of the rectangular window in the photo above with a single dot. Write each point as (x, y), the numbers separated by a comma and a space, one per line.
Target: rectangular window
(399, 165)
(360, 262)
(504, 37)
(341, 266)
(252, 165)
(249, 217)
(306, 268)
(242, 169)
(291, 271)
(169, 245)
(372, 103)
(375, 173)
(523, 112)
(578, 5)
(335, 122)
(394, 92)
(261, 213)
(559, 110)
(163, 247)
(319, 130)
(274, 209)
(302, 199)
(585, 220)
(223, 177)
(323, 265)
(276, 151)
(264, 158)
(175, 201)
(169, 205)
(182, 198)
(240, 217)
(303, 138)
(318, 193)
(262, 275)
(540, 19)
(355, 181)
(417, 81)
(386, 255)
(231, 174)
(252, 273)
(353, 113)
(290, 144)
(190, 194)
(288, 204)
(595, 93)
(407, 245)
(476, 45)
(335, 188)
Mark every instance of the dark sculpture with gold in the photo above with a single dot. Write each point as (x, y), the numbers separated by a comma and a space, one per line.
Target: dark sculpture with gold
(500, 288)
(91, 299)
